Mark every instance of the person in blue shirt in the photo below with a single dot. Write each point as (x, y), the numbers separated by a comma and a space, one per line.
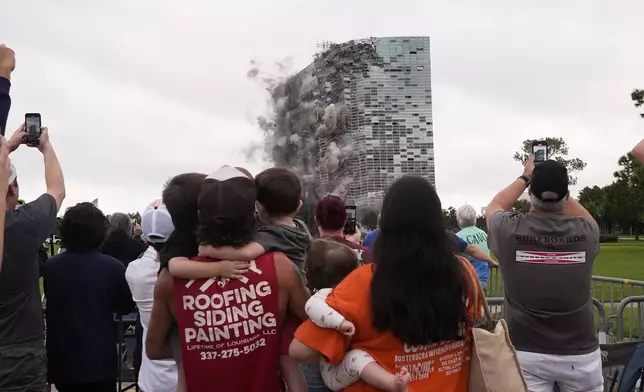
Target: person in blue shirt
(370, 238)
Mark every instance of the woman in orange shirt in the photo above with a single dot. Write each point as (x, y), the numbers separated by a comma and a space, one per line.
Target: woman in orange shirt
(411, 308)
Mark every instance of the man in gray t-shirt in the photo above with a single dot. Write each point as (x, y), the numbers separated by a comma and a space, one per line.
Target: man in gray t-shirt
(546, 258)
(23, 360)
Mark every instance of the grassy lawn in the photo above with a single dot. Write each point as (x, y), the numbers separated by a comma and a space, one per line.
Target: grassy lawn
(621, 259)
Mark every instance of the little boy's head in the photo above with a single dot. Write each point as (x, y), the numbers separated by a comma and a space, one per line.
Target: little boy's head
(328, 262)
(279, 192)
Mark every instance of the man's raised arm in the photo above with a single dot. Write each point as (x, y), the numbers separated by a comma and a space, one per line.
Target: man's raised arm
(7, 65)
(53, 173)
(505, 199)
(638, 152)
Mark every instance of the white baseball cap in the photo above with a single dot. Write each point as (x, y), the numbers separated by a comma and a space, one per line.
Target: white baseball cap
(13, 175)
(156, 222)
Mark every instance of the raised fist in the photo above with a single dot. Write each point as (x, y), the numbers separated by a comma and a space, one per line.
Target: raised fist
(7, 59)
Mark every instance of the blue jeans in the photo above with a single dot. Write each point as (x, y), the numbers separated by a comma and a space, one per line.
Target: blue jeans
(314, 378)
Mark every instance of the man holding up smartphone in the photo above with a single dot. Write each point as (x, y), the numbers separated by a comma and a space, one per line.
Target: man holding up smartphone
(546, 258)
(23, 358)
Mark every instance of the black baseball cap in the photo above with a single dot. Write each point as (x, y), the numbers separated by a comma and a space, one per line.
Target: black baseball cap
(227, 201)
(549, 181)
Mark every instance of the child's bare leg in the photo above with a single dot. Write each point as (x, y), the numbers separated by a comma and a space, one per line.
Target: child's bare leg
(293, 376)
(347, 372)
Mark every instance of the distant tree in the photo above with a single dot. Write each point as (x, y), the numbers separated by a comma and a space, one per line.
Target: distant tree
(522, 206)
(624, 199)
(638, 99)
(593, 200)
(449, 217)
(481, 222)
(557, 150)
(369, 218)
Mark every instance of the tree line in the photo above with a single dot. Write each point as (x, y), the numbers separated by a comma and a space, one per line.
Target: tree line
(617, 207)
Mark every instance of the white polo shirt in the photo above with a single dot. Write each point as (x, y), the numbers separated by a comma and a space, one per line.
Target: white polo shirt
(141, 275)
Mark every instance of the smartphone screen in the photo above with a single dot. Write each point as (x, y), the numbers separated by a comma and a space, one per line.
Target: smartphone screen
(350, 226)
(32, 126)
(540, 151)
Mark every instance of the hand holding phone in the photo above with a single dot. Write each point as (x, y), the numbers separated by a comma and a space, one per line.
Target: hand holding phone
(33, 126)
(540, 150)
(350, 226)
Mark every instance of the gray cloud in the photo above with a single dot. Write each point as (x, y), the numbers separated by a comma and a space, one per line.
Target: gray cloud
(135, 92)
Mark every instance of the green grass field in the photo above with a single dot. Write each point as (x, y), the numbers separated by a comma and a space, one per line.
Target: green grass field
(622, 259)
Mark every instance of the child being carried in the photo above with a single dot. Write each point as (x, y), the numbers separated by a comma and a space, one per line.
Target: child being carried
(327, 263)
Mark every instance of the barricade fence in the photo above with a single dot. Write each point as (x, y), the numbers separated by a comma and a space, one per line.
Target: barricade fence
(618, 305)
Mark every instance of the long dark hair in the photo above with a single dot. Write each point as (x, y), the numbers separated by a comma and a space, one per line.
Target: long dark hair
(419, 289)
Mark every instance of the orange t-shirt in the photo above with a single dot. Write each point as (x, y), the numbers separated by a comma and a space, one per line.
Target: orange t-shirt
(439, 367)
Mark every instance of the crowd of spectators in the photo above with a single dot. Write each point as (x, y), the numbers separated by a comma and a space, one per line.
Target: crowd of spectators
(233, 293)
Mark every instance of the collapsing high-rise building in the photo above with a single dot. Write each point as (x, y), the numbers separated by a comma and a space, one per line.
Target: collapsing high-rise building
(374, 99)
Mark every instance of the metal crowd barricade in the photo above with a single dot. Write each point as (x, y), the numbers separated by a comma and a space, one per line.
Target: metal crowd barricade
(623, 361)
(608, 292)
(498, 311)
(124, 374)
(126, 333)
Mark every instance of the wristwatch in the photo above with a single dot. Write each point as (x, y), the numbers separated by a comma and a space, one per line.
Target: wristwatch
(524, 178)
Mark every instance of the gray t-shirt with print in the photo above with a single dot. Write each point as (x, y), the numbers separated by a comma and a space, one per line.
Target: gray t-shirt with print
(26, 229)
(547, 262)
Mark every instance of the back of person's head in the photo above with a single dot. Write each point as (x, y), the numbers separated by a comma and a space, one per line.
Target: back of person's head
(549, 187)
(83, 228)
(419, 288)
(227, 208)
(279, 192)
(180, 196)
(331, 213)
(466, 216)
(328, 262)
(120, 223)
(156, 224)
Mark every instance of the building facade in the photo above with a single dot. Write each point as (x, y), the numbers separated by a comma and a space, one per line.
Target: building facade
(379, 90)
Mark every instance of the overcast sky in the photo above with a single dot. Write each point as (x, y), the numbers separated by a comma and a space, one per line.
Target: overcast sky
(134, 92)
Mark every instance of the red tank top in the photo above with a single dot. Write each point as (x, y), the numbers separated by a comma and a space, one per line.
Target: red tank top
(230, 330)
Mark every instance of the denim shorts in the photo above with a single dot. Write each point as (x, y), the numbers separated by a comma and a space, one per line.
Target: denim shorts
(314, 378)
(23, 367)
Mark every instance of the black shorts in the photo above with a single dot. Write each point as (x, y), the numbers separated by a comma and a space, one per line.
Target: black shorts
(23, 367)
